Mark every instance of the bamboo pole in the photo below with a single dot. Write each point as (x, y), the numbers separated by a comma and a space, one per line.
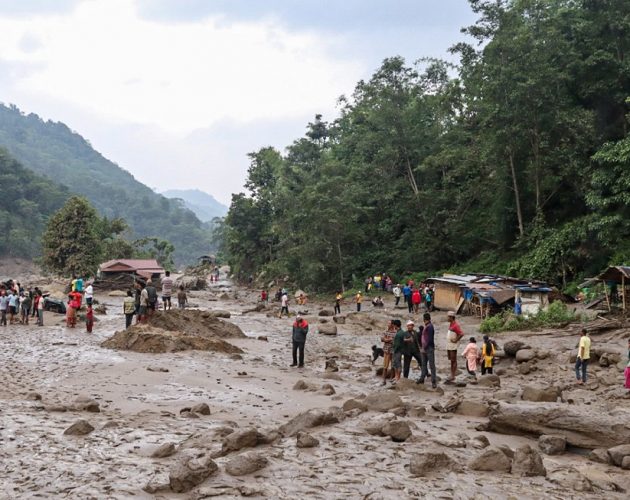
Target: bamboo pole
(606, 292)
(623, 292)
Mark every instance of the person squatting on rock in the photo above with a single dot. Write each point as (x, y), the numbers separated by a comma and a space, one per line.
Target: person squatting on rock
(388, 349)
(300, 330)
(583, 356)
(471, 355)
(427, 351)
(453, 336)
(412, 343)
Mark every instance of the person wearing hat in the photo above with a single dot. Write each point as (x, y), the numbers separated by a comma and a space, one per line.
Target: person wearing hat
(453, 336)
(300, 329)
(412, 344)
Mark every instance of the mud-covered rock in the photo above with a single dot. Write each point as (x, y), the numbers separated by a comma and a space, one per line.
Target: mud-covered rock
(528, 462)
(245, 463)
(540, 394)
(79, 428)
(398, 430)
(306, 440)
(311, 418)
(552, 445)
(382, 401)
(192, 469)
(491, 459)
(428, 462)
(618, 453)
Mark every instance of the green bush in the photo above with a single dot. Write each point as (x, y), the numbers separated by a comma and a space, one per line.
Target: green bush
(555, 315)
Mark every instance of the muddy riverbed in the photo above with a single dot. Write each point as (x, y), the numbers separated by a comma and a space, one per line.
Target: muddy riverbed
(52, 376)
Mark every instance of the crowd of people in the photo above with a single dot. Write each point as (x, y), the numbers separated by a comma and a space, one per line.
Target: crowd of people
(18, 305)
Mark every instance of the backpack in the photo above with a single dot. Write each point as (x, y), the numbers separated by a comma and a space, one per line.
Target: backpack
(152, 293)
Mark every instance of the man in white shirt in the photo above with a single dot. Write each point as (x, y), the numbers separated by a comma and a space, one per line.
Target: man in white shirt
(89, 294)
(284, 300)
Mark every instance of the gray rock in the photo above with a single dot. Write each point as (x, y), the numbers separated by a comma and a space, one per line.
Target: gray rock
(449, 406)
(600, 455)
(491, 459)
(511, 347)
(428, 462)
(524, 355)
(191, 470)
(242, 438)
(328, 390)
(479, 442)
(625, 463)
(331, 365)
(528, 462)
(489, 381)
(328, 329)
(245, 463)
(220, 314)
(305, 440)
(84, 403)
(472, 409)
(398, 430)
(540, 394)
(340, 320)
(617, 453)
(300, 385)
(79, 428)
(164, 450)
(201, 409)
(311, 418)
(326, 312)
(552, 445)
(382, 401)
(353, 404)
(34, 396)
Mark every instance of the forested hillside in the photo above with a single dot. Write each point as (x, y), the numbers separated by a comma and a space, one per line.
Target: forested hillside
(516, 161)
(52, 150)
(26, 201)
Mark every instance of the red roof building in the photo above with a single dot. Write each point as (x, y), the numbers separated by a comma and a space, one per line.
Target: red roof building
(147, 268)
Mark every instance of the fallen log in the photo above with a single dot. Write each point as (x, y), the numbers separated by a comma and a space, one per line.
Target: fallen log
(581, 427)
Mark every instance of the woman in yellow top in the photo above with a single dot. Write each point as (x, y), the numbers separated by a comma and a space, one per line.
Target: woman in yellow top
(338, 299)
(487, 355)
(358, 299)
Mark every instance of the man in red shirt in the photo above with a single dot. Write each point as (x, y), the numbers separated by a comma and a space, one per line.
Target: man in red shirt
(453, 337)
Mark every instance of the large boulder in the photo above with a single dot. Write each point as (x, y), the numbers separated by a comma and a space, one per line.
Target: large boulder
(511, 347)
(472, 409)
(85, 403)
(618, 453)
(581, 427)
(528, 462)
(245, 463)
(312, 418)
(524, 355)
(540, 394)
(398, 430)
(382, 401)
(242, 438)
(327, 329)
(427, 462)
(354, 404)
(552, 445)
(191, 470)
(79, 428)
(491, 459)
(490, 380)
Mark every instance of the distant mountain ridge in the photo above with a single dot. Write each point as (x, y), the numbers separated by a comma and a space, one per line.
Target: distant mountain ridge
(53, 150)
(204, 205)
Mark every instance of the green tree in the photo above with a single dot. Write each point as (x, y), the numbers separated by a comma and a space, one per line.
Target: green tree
(72, 243)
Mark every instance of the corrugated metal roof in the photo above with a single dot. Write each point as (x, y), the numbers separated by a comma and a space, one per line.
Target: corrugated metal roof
(615, 273)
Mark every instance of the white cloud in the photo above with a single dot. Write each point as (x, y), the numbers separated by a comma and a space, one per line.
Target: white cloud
(103, 58)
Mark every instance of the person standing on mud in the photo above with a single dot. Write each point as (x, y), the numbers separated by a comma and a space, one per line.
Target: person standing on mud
(89, 318)
(300, 330)
(453, 336)
(4, 306)
(40, 308)
(583, 356)
(412, 348)
(144, 304)
(153, 298)
(284, 304)
(167, 290)
(487, 355)
(398, 348)
(338, 299)
(397, 293)
(358, 299)
(427, 351)
(388, 348)
(129, 308)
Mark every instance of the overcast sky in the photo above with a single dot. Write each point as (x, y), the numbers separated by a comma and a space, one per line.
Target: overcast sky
(179, 91)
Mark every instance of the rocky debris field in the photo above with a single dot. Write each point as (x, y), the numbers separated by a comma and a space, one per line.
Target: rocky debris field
(79, 420)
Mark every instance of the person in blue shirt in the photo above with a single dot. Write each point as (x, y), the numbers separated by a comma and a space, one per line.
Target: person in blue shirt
(407, 293)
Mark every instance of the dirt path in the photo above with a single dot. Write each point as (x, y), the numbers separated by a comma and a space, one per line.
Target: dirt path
(140, 397)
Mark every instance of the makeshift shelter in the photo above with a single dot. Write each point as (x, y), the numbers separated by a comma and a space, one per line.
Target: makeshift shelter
(618, 279)
(206, 260)
(533, 298)
(145, 268)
